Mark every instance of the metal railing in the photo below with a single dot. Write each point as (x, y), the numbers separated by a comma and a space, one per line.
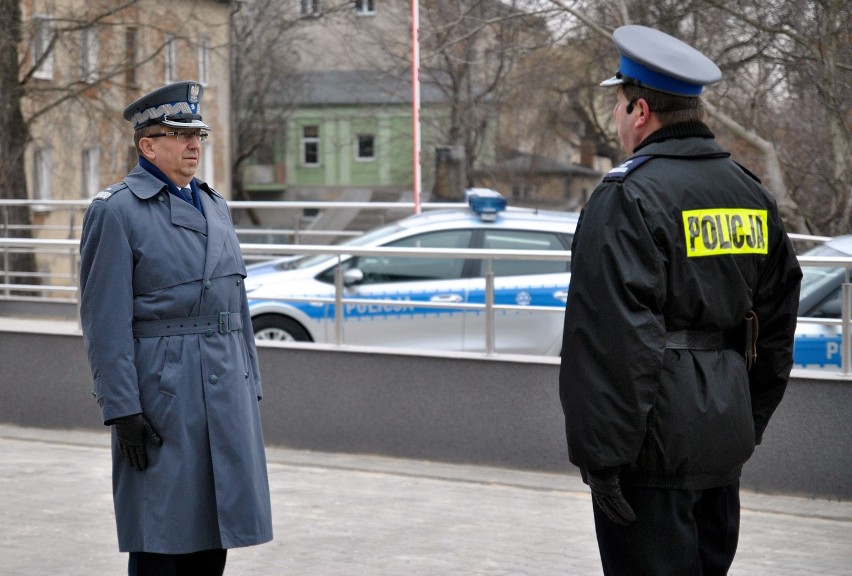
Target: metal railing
(489, 308)
(63, 288)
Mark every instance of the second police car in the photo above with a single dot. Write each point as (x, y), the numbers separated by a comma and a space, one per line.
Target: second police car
(292, 299)
(819, 345)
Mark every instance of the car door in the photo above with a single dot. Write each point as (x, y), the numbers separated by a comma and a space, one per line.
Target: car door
(528, 283)
(408, 281)
(819, 345)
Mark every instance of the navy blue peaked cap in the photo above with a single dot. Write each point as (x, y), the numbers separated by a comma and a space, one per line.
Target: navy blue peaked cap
(655, 60)
(175, 105)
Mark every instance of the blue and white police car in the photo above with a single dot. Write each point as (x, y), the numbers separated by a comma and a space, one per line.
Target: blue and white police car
(293, 299)
(818, 345)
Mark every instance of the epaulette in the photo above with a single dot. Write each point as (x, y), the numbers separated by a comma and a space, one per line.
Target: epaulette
(107, 192)
(205, 186)
(620, 172)
(748, 172)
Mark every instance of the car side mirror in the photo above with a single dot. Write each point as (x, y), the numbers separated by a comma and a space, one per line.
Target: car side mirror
(352, 276)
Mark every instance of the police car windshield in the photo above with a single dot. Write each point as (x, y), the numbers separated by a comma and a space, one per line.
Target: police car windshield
(815, 277)
(366, 239)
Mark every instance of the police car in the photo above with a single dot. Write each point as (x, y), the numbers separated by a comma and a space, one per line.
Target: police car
(817, 345)
(292, 299)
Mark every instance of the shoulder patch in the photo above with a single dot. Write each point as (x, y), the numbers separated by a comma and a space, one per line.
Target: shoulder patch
(620, 172)
(107, 192)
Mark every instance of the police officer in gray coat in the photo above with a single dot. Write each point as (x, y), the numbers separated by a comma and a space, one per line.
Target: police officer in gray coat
(679, 323)
(168, 335)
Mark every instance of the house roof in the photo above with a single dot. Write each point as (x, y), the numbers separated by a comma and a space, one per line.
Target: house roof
(523, 162)
(342, 87)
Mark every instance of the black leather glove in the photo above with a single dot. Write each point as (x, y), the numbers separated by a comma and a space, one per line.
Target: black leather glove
(606, 491)
(131, 432)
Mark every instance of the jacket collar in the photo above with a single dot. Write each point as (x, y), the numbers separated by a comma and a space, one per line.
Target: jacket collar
(145, 185)
(677, 131)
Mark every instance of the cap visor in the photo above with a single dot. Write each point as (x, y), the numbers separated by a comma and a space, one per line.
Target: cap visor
(614, 81)
(190, 124)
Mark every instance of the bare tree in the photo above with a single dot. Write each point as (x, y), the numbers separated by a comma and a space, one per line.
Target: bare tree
(777, 57)
(807, 44)
(49, 106)
(13, 134)
(473, 50)
(469, 50)
(263, 33)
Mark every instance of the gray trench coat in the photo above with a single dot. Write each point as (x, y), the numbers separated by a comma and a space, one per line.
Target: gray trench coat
(148, 256)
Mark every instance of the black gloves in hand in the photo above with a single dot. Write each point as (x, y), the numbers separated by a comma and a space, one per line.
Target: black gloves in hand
(606, 492)
(132, 431)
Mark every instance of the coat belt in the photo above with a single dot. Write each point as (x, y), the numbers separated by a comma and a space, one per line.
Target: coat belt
(223, 323)
(744, 338)
(699, 340)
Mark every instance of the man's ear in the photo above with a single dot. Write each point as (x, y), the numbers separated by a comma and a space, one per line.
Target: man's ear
(643, 111)
(146, 147)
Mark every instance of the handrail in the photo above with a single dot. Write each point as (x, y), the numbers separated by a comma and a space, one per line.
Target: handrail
(333, 249)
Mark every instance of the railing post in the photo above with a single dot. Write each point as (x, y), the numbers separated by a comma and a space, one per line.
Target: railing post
(489, 308)
(338, 302)
(846, 328)
(6, 279)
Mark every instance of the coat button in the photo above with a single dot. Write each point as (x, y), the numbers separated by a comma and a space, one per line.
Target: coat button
(239, 280)
(209, 332)
(161, 198)
(213, 379)
(208, 283)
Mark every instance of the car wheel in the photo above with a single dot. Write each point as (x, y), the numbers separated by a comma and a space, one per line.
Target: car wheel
(279, 328)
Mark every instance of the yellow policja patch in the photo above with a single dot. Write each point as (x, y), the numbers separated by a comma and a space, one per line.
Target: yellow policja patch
(717, 231)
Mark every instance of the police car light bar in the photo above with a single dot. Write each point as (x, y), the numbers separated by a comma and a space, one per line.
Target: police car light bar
(485, 202)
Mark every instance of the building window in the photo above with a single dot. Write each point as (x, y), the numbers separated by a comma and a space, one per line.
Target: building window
(42, 169)
(170, 55)
(310, 145)
(365, 7)
(89, 54)
(130, 36)
(366, 147)
(42, 50)
(310, 7)
(524, 191)
(204, 61)
(91, 172)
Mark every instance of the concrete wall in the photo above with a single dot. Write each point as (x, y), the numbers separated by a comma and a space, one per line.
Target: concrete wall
(501, 413)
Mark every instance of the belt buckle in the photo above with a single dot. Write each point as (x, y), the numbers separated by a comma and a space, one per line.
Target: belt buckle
(224, 322)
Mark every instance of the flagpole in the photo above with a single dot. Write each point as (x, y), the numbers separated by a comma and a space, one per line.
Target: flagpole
(415, 100)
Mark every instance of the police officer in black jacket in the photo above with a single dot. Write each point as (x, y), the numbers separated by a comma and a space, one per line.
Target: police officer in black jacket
(679, 323)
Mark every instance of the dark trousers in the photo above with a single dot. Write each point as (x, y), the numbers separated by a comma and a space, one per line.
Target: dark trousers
(204, 563)
(676, 532)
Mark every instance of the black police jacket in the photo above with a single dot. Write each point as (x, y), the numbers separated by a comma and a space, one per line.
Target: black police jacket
(677, 238)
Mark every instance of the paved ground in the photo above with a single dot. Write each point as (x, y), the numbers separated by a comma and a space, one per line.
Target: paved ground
(348, 515)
